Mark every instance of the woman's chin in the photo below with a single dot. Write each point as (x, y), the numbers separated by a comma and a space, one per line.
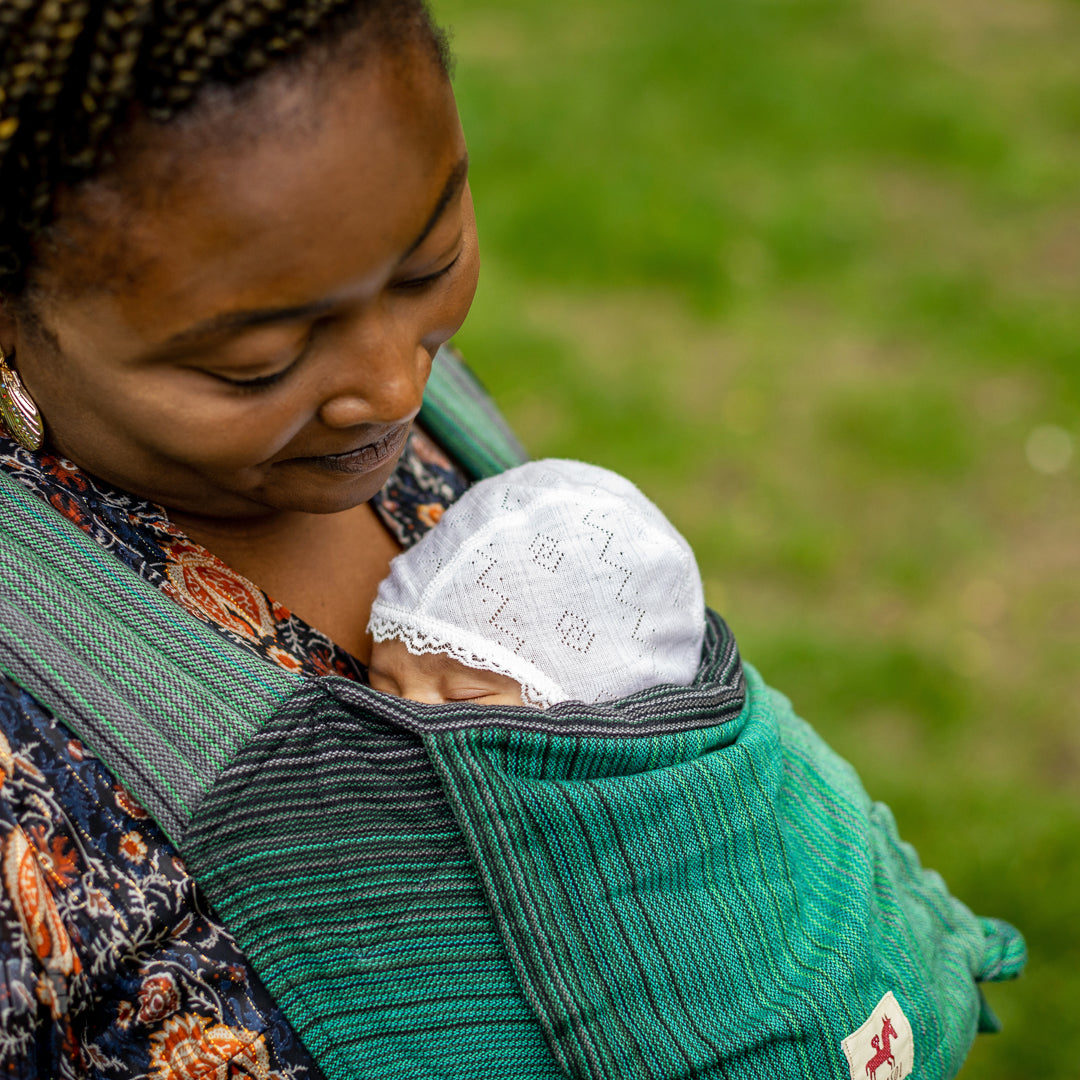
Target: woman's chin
(307, 487)
(291, 492)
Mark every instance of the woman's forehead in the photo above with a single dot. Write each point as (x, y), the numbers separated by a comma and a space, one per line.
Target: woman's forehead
(74, 93)
(272, 200)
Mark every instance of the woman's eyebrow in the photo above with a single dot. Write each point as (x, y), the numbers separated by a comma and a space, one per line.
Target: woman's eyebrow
(232, 322)
(454, 183)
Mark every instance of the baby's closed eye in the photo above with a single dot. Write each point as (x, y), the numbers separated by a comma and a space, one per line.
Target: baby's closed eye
(436, 679)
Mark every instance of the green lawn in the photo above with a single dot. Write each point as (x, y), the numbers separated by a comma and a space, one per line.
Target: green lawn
(808, 272)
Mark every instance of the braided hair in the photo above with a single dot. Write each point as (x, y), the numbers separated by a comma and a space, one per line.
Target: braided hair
(73, 73)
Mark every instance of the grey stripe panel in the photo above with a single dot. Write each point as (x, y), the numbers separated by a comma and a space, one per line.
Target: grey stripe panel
(167, 784)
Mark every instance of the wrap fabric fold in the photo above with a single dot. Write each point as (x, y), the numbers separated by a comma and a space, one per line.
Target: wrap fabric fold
(683, 883)
(715, 901)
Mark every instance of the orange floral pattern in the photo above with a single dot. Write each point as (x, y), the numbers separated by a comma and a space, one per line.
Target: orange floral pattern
(126, 801)
(57, 855)
(158, 998)
(189, 1047)
(9, 762)
(101, 919)
(207, 587)
(430, 513)
(133, 847)
(35, 906)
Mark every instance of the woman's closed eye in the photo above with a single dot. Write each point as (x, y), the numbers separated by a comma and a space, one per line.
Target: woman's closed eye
(261, 382)
(418, 283)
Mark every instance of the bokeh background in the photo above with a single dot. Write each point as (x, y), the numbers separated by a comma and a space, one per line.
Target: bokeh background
(808, 272)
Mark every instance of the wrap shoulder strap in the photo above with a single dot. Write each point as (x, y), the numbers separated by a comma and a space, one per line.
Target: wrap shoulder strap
(162, 698)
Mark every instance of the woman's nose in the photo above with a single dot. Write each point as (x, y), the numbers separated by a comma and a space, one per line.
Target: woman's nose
(376, 381)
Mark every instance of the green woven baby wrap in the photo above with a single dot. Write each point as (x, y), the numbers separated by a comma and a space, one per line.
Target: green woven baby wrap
(684, 883)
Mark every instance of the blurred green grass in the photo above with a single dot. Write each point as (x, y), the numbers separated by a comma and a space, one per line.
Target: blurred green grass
(807, 271)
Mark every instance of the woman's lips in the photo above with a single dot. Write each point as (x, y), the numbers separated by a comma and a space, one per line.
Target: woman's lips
(364, 458)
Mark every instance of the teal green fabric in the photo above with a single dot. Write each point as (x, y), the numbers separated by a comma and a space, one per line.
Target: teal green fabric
(684, 883)
(718, 901)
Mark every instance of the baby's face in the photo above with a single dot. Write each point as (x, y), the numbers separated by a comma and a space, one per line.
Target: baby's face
(436, 679)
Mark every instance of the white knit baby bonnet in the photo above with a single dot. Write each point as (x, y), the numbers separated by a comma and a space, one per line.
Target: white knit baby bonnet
(559, 574)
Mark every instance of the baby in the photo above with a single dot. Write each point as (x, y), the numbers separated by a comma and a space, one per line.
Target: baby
(743, 845)
(551, 582)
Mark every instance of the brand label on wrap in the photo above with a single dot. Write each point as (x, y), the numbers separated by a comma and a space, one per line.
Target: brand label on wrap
(884, 1047)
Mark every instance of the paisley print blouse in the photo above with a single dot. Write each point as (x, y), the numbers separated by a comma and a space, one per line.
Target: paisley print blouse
(111, 963)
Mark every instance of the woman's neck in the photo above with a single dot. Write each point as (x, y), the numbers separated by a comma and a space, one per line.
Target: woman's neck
(324, 568)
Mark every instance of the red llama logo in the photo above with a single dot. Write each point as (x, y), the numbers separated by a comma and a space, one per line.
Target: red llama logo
(883, 1047)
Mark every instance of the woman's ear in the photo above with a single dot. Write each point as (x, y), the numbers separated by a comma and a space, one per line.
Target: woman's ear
(22, 330)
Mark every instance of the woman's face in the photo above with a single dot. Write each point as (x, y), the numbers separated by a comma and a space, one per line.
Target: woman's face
(241, 319)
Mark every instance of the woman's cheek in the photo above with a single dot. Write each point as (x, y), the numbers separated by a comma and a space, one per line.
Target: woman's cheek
(224, 430)
(459, 300)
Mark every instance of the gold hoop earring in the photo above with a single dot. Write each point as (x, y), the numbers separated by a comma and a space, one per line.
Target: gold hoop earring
(20, 414)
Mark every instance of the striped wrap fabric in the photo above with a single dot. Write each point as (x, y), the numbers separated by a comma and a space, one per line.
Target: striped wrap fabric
(685, 883)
